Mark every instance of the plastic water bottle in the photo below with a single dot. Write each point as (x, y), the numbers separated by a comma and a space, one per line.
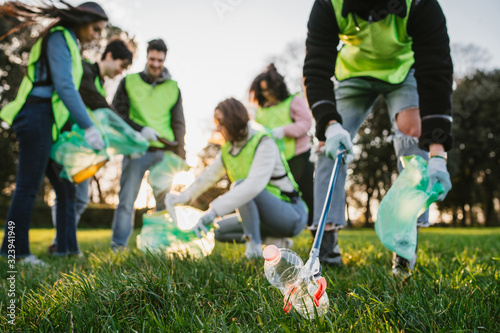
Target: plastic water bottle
(282, 267)
(285, 270)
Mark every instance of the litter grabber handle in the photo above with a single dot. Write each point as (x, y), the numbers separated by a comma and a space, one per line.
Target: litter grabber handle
(326, 207)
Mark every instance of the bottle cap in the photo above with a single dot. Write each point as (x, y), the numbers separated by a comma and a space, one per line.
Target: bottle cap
(271, 252)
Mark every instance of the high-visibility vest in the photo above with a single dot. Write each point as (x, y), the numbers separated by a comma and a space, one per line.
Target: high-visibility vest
(278, 116)
(61, 113)
(380, 49)
(151, 106)
(238, 166)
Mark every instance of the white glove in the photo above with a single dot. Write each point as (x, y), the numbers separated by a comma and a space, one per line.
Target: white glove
(174, 198)
(335, 136)
(278, 133)
(439, 173)
(207, 219)
(94, 138)
(149, 133)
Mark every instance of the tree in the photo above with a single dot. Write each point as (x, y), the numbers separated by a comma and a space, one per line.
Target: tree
(468, 59)
(475, 158)
(374, 168)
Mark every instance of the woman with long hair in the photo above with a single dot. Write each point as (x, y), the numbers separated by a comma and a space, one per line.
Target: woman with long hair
(289, 119)
(47, 98)
(263, 192)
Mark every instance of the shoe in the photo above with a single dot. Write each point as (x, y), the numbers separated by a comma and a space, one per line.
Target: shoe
(329, 251)
(283, 242)
(32, 260)
(253, 250)
(422, 224)
(402, 267)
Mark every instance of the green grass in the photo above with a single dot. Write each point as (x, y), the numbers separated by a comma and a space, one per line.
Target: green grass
(455, 288)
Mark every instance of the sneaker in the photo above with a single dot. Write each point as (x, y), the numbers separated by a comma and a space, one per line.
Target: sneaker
(329, 251)
(253, 250)
(32, 260)
(402, 267)
(283, 242)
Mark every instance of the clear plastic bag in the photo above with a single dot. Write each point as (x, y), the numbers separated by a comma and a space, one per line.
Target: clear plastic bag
(80, 161)
(162, 174)
(408, 198)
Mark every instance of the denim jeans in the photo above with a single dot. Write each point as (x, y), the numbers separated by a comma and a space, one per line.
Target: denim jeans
(263, 216)
(33, 128)
(302, 170)
(65, 211)
(82, 200)
(355, 100)
(130, 182)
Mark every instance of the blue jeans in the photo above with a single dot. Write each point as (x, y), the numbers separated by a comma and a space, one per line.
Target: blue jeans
(33, 128)
(65, 211)
(265, 216)
(355, 100)
(82, 200)
(130, 182)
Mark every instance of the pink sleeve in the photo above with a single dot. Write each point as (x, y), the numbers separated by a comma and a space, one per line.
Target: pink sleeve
(301, 115)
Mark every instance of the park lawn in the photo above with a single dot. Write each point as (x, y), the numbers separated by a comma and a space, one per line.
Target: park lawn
(455, 287)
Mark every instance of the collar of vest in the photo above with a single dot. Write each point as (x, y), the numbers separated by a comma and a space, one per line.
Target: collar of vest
(374, 10)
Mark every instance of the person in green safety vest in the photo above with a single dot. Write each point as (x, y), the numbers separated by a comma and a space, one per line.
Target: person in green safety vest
(116, 58)
(264, 192)
(151, 103)
(47, 97)
(398, 49)
(289, 119)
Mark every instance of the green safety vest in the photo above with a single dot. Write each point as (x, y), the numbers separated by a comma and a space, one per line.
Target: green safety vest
(381, 49)
(151, 105)
(61, 113)
(277, 116)
(238, 167)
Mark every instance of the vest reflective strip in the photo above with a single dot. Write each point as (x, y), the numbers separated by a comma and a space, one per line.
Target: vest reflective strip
(278, 116)
(152, 105)
(380, 49)
(238, 166)
(61, 113)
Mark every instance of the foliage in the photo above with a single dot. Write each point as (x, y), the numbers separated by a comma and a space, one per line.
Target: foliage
(475, 158)
(373, 169)
(454, 288)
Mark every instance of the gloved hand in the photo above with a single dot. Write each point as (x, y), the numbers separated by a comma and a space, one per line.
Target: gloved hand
(278, 133)
(206, 219)
(94, 138)
(149, 133)
(336, 135)
(174, 198)
(439, 173)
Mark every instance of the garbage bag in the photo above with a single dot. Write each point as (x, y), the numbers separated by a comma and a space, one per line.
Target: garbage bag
(162, 174)
(160, 233)
(78, 159)
(408, 198)
(121, 139)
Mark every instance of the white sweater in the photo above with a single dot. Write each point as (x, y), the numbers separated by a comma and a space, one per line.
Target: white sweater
(266, 164)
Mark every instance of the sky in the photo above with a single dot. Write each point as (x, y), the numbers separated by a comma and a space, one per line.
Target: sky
(217, 47)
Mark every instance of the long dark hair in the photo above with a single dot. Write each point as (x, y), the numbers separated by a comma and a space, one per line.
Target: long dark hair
(22, 15)
(235, 118)
(275, 82)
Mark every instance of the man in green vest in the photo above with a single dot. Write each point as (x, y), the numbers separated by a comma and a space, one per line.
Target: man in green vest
(116, 58)
(388, 46)
(151, 103)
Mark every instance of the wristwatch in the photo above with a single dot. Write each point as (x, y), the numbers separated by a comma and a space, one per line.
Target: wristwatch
(442, 154)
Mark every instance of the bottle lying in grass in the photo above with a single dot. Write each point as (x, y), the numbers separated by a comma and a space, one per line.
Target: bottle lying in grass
(285, 270)
(160, 233)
